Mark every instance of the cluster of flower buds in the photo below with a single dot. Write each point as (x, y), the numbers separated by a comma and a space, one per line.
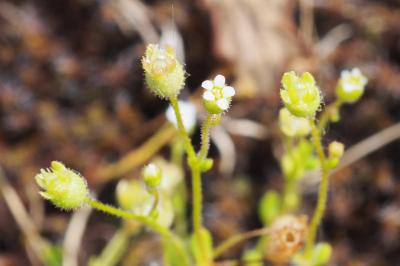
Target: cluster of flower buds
(64, 187)
(300, 95)
(138, 196)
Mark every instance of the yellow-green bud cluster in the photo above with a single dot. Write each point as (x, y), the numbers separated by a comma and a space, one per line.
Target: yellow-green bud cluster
(64, 187)
(293, 126)
(351, 85)
(151, 176)
(300, 95)
(165, 76)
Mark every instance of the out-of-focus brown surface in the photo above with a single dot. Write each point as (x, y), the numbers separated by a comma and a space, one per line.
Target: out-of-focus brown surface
(71, 89)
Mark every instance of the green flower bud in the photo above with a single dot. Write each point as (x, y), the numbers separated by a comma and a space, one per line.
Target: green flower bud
(300, 95)
(64, 187)
(336, 149)
(132, 195)
(293, 126)
(165, 76)
(351, 85)
(151, 176)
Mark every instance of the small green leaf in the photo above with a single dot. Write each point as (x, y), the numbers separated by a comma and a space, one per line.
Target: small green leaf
(207, 241)
(270, 206)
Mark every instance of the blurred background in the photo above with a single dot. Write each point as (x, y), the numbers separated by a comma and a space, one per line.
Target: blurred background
(71, 89)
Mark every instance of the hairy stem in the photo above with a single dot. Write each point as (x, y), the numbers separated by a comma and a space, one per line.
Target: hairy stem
(194, 165)
(205, 136)
(323, 190)
(163, 231)
(182, 131)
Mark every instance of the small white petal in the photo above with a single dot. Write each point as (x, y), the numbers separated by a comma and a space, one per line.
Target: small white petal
(356, 72)
(228, 91)
(207, 84)
(208, 96)
(219, 81)
(223, 104)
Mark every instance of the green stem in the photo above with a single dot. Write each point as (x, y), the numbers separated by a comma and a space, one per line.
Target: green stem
(236, 239)
(156, 196)
(323, 190)
(163, 231)
(194, 165)
(197, 207)
(205, 136)
(182, 131)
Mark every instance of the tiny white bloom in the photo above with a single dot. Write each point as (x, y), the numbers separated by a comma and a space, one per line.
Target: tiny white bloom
(188, 112)
(351, 85)
(353, 80)
(151, 169)
(217, 96)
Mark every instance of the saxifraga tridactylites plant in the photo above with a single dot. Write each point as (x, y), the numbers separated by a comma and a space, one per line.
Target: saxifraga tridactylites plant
(285, 232)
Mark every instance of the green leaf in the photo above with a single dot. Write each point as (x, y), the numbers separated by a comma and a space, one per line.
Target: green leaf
(207, 241)
(270, 206)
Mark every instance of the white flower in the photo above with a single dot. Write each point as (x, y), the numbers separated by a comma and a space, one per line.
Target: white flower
(353, 80)
(188, 112)
(351, 85)
(217, 96)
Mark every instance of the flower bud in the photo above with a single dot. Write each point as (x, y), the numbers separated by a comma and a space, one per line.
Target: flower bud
(351, 85)
(64, 187)
(293, 126)
(131, 195)
(151, 176)
(300, 95)
(217, 96)
(164, 75)
(336, 149)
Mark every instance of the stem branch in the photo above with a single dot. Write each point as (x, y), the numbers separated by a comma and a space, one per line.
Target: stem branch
(163, 231)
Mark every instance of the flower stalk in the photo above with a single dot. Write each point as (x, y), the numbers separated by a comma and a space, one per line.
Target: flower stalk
(323, 190)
